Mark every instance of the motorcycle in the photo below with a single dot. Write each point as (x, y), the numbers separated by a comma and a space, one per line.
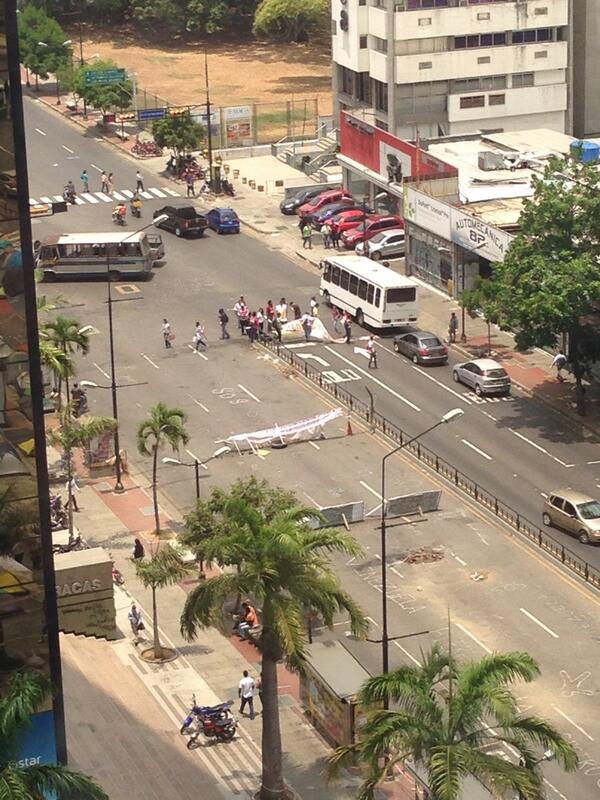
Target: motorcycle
(118, 219)
(136, 209)
(117, 577)
(80, 404)
(212, 721)
(69, 195)
(227, 187)
(58, 513)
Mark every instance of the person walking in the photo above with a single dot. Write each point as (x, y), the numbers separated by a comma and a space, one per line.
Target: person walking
(224, 322)
(336, 317)
(199, 337)
(168, 336)
(276, 326)
(452, 327)
(72, 488)
(237, 310)
(281, 310)
(85, 180)
(307, 233)
(560, 362)
(136, 622)
(307, 323)
(335, 237)
(372, 353)
(246, 693)
(270, 309)
(110, 183)
(138, 550)
(104, 182)
(348, 327)
(326, 234)
(139, 181)
(189, 184)
(297, 310)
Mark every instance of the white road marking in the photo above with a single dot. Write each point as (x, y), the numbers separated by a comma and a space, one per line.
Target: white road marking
(95, 167)
(249, 393)
(296, 346)
(490, 416)
(474, 638)
(127, 192)
(106, 198)
(147, 195)
(460, 561)
(170, 191)
(587, 462)
(313, 444)
(477, 450)
(149, 360)
(541, 449)
(573, 723)
(406, 653)
(37, 130)
(118, 196)
(395, 571)
(58, 197)
(537, 622)
(544, 494)
(68, 149)
(372, 621)
(90, 197)
(318, 359)
(99, 368)
(32, 202)
(79, 201)
(361, 351)
(312, 500)
(368, 488)
(554, 789)
(157, 192)
(45, 199)
(441, 385)
(375, 380)
(197, 352)
(198, 403)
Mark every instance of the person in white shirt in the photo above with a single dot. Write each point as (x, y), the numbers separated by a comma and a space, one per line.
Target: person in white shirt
(166, 332)
(560, 362)
(72, 488)
(281, 310)
(246, 693)
(200, 337)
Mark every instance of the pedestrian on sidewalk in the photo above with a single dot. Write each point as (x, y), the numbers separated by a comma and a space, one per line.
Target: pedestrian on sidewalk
(335, 237)
(246, 693)
(347, 327)
(372, 353)
(110, 183)
(281, 310)
(104, 182)
(168, 335)
(85, 180)
(452, 327)
(139, 182)
(224, 322)
(138, 550)
(276, 326)
(72, 488)
(560, 362)
(237, 310)
(189, 184)
(307, 233)
(326, 234)
(307, 323)
(136, 622)
(336, 316)
(199, 337)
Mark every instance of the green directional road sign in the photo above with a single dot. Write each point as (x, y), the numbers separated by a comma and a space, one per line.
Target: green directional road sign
(102, 77)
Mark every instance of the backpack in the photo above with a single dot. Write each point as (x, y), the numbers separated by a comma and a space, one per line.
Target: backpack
(224, 319)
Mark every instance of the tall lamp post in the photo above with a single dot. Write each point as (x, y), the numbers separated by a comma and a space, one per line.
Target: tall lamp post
(111, 340)
(450, 416)
(64, 44)
(196, 464)
(208, 126)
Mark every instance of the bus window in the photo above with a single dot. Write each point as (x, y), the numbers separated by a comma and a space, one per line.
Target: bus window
(370, 293)
(353, 289)
(362, 290)
(335, 276)
(327, 270)
(405, 294)
(377, 297)
(344, 279)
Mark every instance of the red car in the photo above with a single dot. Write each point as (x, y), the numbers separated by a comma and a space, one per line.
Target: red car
(323, 199)
(348, 219)
(375, 225)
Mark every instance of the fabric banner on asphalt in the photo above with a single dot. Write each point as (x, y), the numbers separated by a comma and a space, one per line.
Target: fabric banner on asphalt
(285, 433)
(294, 330)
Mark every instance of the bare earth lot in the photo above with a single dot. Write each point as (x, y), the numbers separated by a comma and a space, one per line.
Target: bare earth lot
(240, 72)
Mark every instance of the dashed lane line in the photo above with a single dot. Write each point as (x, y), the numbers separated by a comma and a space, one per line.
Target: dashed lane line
(149, 360)
(249, 393)
(572, 722)
(539, 622)
(476, 449)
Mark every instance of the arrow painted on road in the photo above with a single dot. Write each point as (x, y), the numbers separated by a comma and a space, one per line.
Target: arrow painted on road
(361, 351)
(318, 359)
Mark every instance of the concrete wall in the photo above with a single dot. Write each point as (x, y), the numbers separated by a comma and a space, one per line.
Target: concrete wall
(586, 68)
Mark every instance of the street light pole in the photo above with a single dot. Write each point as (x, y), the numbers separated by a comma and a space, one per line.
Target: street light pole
(196, 464)
(385, 639)
(208, 127)
(81, 63)
(197, 475)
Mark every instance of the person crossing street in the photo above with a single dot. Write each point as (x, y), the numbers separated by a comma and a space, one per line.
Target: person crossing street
(372, 353)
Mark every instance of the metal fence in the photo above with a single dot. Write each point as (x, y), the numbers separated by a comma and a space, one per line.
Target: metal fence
(548, 544)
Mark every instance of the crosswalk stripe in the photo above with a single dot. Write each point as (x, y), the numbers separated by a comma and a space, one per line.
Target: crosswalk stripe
(127, 192)
(147, 195)
(123, 194)
(103, 196)
(32, 202)
(90, 197)
(157, 192)
(45, 199)
(118, 196)
(170, 191)
(79, 201)
(58, 197)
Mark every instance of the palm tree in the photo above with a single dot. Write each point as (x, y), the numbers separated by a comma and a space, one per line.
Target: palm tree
(163, 569)
(69, 336)
(282, 564)
(164, 426)
(58, 362)
(444, 715)
(24, 695)
(74, 433)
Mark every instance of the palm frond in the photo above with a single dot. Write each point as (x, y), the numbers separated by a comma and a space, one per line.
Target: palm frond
(164, 568)
(204, 603)
(60, 782)
(25, 693)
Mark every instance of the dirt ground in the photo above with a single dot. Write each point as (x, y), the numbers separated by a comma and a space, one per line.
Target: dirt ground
(240, 73)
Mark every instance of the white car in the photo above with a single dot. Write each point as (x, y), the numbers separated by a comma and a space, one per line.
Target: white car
(387, 244)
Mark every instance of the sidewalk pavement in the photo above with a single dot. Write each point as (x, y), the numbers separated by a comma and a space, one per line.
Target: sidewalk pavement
(123, 715)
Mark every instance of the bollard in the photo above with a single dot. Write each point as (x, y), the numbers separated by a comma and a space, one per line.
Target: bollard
(236, 173)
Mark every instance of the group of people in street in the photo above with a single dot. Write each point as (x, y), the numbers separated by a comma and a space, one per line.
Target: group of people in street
(331, 236)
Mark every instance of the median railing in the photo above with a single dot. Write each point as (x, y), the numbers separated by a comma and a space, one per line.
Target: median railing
(548, 544)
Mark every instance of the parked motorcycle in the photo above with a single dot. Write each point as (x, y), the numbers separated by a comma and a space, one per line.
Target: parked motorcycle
(117, 577)
(227, 187)
(211, 721)
(58, 513)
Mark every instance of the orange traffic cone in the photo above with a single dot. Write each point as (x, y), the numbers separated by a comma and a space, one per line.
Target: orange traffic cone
(349, 430)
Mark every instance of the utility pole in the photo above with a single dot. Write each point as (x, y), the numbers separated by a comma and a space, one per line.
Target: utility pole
(208, 128)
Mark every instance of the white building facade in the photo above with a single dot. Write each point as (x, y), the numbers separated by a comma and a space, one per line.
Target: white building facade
(434, 68)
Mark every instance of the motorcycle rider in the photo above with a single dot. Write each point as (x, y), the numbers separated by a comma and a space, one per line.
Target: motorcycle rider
(79, 400)
(120, 213)
(136, 205)
(69, 192)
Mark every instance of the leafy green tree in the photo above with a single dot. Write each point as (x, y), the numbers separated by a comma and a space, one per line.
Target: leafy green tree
(69, 336)
(24, 695)
(164, 426)
(443, 716)
(164, 568)
(59, 363)
(44, 46)
(194, 16)
(283, 565)
(291, 20)
(102, 97)
(180, 134)
(548, 285)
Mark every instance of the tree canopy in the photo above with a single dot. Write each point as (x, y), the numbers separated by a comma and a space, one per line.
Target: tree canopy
(291, 20)
(102, 97)
(42, 42)
(548, 285)
(180, 134)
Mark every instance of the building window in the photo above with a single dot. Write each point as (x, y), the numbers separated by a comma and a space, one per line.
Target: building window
(380, 95)
(425, 64)
(347, 81)
(412, 5)
(473, 101)
(496, 99)
(479, 40)
(541, 54)
(424, 21)
(333, 27)
(363, 87)
(481, 15)
(486, 83)
(363, 42)
(535, 35)
(484, 60)
(522, 79)
(379, 44)
(362, 2)
(541, 12)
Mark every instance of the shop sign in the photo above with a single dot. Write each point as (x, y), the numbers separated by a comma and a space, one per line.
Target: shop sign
(475, 234)
(426, 212)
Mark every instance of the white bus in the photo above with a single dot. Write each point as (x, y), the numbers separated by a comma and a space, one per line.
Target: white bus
(372, 293)
(96, 254)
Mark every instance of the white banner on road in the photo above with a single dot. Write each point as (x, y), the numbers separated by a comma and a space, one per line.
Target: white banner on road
(291, 432)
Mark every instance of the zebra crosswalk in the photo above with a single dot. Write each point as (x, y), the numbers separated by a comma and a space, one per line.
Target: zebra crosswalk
(93, 198)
